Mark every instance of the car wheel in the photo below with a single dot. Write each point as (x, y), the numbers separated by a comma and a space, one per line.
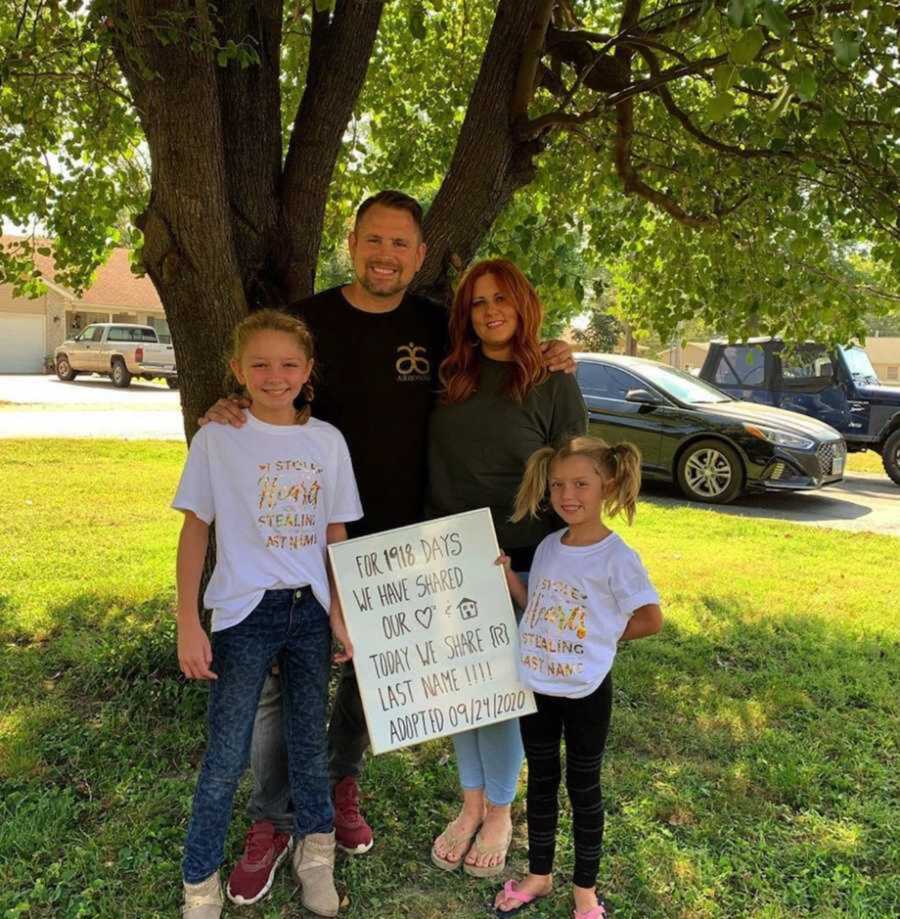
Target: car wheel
(710, 471)
(890, 456)
(64, 369)
(172, 382)
(120, 375)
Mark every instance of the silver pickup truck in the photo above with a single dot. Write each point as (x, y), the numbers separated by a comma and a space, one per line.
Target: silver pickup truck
(118, 350)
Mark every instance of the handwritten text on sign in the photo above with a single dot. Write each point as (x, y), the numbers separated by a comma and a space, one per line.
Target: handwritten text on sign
(433, 632)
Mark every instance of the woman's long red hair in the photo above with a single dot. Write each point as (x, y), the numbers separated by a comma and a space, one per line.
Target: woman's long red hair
(460, 370)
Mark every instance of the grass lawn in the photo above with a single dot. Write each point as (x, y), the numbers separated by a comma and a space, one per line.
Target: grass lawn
(753, 766)
(867, 461)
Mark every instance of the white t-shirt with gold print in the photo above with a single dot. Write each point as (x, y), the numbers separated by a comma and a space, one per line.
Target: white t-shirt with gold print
(272, 490)
(580, 599)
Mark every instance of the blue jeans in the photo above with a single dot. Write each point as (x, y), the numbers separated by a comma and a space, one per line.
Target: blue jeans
(491, 757)
(292, 627)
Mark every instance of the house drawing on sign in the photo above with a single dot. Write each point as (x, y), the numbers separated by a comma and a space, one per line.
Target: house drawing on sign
(468, 609)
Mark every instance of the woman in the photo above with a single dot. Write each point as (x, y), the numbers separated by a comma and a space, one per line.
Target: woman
(498, 406)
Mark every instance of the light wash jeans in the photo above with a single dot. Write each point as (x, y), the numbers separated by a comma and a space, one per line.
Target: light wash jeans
(292, 627)
(491, 757)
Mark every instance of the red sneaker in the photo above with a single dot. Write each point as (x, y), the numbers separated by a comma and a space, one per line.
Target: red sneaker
(264, 850)
(352, 833)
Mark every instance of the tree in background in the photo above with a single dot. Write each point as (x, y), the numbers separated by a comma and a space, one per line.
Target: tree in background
(600, 334)
(725, 160)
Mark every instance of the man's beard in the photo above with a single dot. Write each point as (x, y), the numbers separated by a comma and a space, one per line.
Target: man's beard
(385, 287)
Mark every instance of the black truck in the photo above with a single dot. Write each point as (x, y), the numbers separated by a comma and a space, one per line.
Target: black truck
(836, 385)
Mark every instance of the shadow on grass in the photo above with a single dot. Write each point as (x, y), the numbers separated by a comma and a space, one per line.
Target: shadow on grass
(750, 768)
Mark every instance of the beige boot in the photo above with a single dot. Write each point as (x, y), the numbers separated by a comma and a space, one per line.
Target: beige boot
(203, 900)
(314, 867)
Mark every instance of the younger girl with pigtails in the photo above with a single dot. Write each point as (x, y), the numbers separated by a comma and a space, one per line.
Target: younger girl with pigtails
(587, 591)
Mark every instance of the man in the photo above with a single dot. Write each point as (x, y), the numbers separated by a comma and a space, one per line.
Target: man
(378, 349)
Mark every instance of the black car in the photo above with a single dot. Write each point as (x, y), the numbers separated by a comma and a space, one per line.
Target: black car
(712, 445)
(836, 385)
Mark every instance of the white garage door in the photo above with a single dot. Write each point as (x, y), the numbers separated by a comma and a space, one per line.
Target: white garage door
(21, 343)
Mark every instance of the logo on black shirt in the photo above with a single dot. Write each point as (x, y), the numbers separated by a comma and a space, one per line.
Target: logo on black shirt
(413, 366)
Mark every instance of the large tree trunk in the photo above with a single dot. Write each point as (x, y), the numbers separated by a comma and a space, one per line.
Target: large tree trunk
(188, 240)
(250, 106)
(226, 229)
(339, 56)
(490, 163)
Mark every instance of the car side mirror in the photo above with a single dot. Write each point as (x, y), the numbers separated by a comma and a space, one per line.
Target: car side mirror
(643, 396)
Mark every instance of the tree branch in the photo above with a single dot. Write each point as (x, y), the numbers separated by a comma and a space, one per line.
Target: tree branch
(684, 120)
(531, 57)
(341, 46)
(633, 185)
(489, 162)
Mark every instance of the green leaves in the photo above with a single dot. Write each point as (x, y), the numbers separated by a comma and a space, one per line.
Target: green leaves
(745, 49)
(725, 76)
(803, 80)
(775, 19)
(741, 12)
(720, 106)
(417, 22)
(846, 46)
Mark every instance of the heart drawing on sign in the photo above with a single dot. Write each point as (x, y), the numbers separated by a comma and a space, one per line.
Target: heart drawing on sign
(423, 616)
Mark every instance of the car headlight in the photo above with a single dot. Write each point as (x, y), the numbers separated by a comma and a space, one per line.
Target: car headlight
(779, 437)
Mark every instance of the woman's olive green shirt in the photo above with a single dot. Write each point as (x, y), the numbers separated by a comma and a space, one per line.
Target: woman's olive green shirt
(477, 449)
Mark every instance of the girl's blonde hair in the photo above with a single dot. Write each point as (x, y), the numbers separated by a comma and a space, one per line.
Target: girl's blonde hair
(269, 320)
(619, 467)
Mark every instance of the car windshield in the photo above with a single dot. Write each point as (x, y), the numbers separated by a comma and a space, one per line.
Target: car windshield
(859, 365)
(682, 386)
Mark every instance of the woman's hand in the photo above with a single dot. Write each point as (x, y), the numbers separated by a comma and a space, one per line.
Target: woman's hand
(194, 651)
(341, 635)
(227, 411)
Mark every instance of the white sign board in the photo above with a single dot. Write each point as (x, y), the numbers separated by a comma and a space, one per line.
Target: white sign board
(435, 643)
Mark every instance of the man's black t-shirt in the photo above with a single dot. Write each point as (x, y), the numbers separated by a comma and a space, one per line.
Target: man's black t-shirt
(376, 380)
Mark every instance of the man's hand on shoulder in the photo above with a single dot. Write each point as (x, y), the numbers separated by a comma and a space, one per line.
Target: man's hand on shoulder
(227, 411)
(558, 355)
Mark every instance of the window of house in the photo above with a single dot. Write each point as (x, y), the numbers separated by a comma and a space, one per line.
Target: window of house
(892, 373)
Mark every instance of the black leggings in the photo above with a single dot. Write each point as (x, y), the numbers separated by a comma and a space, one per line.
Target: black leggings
(585, 724)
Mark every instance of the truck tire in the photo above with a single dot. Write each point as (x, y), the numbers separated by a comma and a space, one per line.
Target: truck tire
(120, 375)
(710, 471)
(172, 382)
(64, 369)
(890, 456)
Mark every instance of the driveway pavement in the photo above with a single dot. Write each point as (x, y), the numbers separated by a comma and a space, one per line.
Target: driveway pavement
(862, 503)
(43, 406)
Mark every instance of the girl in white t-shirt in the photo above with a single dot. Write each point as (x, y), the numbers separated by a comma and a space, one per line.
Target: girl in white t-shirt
(279, 488)
(587, 591)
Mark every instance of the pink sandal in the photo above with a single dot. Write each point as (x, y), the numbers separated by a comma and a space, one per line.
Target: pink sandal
(512, 893)
(595, 912)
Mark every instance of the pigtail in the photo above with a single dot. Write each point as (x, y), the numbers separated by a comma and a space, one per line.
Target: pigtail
(623, 463)
(531, 492)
